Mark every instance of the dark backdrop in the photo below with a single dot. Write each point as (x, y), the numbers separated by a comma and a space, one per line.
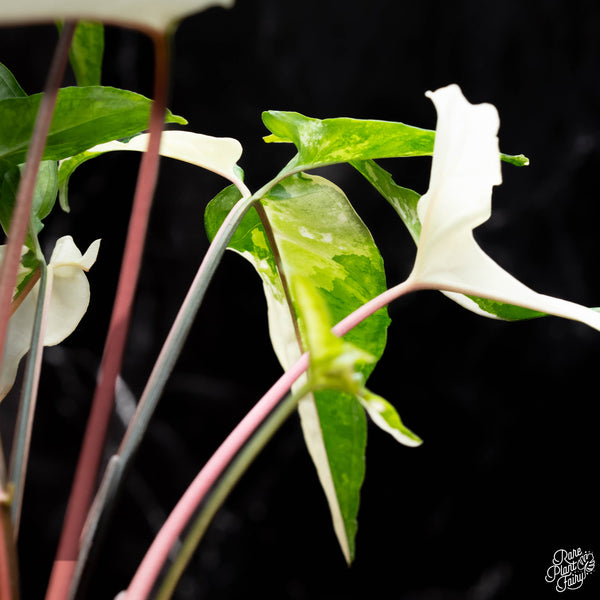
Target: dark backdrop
(507, 411)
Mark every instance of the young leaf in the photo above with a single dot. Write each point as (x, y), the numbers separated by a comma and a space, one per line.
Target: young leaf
(83, 117)
(87, 50)
(155, 15)
(333, 361)
(318, 236)
(218, 155)
(384, 415)
(329, 141)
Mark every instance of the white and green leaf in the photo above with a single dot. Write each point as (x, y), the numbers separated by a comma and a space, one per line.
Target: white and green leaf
(464, 170)
(335, 363)
(404, 202)
(329, 141)
(319, 236)
(385, 416)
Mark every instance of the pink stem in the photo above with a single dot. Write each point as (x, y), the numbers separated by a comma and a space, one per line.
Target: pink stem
(144, 579)
(86, 474)
(372, 306)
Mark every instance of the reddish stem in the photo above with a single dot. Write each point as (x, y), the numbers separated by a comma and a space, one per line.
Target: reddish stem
(86, 474)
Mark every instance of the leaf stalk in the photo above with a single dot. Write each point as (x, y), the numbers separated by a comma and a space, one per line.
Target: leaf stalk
(88, 465)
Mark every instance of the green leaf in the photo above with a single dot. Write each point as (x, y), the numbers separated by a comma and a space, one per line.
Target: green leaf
(507, 312)
(318, 236)
(83, 117)
(44, 196)
(404, 202)
(66, 168)
(329, 141)
(87, 50)
(9, 86)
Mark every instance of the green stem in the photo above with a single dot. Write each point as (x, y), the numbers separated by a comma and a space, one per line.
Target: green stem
(113, 478)
(180, 329)
(225, 483)
(231, 474)
(20, 452)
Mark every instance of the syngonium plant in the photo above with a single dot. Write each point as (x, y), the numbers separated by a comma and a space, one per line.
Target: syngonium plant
(318, 262)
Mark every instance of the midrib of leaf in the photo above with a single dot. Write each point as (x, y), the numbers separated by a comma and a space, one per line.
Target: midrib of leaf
(283, 279)
(307, 408)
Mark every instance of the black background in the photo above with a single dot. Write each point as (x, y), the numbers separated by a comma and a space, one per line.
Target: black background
(507, 472)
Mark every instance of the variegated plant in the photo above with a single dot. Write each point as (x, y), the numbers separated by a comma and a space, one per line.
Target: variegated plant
(317, 260)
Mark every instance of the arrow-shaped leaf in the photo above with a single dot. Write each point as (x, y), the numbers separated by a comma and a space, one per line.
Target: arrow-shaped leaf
(319, 236)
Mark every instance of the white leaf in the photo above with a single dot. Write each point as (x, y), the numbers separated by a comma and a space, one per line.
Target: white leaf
(215, 154)
(465, 167)
(154, 15)
(69, 300)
